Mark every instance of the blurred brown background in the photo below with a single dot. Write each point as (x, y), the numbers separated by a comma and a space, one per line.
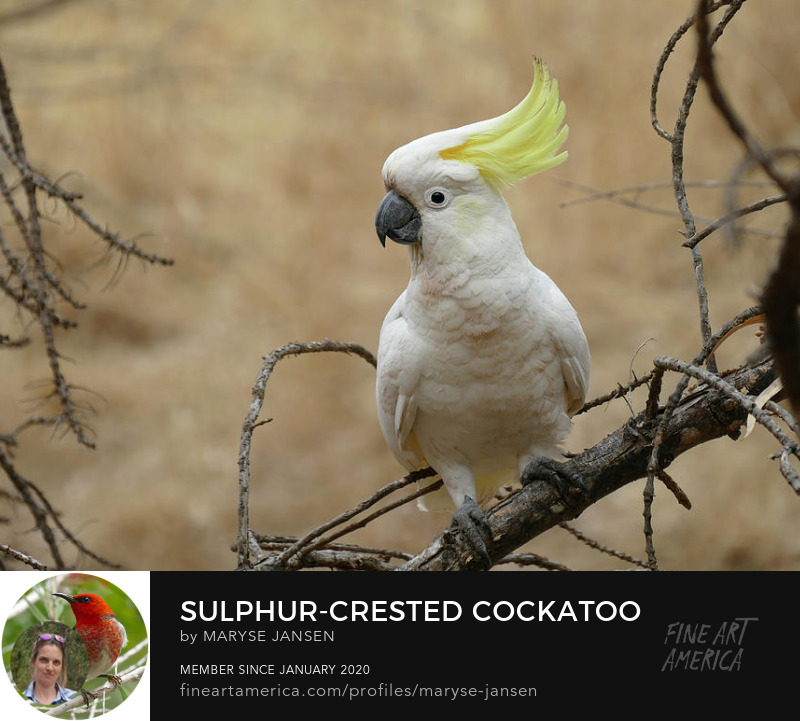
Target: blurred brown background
(245, 139)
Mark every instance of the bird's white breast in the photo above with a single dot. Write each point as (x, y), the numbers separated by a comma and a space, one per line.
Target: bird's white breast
(490, 387)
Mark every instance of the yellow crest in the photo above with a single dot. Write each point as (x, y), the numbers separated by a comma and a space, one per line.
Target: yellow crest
(522, 142)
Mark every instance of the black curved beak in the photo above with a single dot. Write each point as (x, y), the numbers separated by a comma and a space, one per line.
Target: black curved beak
(397, 219)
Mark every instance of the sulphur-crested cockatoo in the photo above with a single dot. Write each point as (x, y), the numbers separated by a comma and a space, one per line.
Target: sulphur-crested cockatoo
(481, 360)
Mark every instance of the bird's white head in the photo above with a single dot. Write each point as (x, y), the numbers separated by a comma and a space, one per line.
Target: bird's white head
(450, 181)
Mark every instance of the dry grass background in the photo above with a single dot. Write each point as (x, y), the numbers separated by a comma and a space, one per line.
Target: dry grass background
(248, 136)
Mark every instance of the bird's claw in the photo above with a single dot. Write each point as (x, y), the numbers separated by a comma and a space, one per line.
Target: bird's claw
(88, 696)
(114, 678)
(470, 520)
(569, 485)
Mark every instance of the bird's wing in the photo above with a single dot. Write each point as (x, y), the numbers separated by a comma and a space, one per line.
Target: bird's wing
(570, 343)
(399, 363)
(573, 352)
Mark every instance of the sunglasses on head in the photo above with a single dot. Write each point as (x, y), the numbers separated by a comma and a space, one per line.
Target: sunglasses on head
(51, 637)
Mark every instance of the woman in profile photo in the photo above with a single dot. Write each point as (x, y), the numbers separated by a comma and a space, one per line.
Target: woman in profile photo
(49, 671)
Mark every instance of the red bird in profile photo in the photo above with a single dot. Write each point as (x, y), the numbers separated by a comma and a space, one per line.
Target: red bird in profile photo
(101, 632)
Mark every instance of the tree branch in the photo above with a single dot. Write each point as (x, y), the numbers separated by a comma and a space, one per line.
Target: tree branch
(616, 461)
(77, 701)
(36, 290)
(781, 296)
(251, 422)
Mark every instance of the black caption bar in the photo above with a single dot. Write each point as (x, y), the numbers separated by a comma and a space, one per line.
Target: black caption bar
(244, 642)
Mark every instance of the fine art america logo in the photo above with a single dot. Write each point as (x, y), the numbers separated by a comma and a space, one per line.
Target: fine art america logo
(706, 646)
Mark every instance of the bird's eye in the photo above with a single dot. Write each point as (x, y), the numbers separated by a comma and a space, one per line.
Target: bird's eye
(437, 197)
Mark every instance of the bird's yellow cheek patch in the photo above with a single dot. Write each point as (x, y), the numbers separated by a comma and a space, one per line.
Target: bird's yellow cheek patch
(469, 215)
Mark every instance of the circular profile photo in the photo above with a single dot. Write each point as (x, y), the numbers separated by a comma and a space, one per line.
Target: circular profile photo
(75, 641)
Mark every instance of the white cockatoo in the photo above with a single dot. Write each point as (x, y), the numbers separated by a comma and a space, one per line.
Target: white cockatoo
(482, 360)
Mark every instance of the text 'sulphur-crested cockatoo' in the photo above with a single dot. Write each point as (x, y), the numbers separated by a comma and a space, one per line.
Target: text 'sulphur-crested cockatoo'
(482, 360)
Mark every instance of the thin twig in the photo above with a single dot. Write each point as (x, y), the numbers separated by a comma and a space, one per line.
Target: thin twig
(676, 140)
(583, 538)
(669, 48)
(25, 558)
(705, 68)
(714, 381)
(781, 296)
(728, 218)
(292, 556)
(619, 392)
(32, 279)
(619, 196)
(251, 420)
(533, 559)
(107, 688)
(342, 556)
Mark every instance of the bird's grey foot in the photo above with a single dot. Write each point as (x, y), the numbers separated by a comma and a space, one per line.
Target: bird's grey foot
(569, 485)
(470, 520)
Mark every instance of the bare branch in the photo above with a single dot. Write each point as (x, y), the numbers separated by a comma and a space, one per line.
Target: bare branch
(714, 381)
(620, 392)
(32, 280)
(583, 538)
(23, 557)
(728, 218)
(251, 420)
(781, 296)
(533, 559)
(705, 67)
(676, 140)
(107, 688)
(293, 556)
(335, 555)
(619, 459)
